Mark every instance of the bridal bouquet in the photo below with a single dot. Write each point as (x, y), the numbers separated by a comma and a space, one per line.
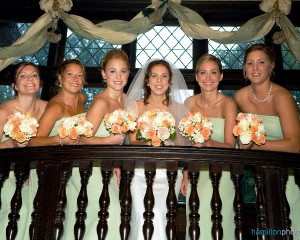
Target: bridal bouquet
(75, 126)
(21, 127)
(119, 121)
(156, 126)
(249, 128)
(195, 127)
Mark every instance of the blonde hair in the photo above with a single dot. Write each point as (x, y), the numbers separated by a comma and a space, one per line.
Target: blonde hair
(114, 53)
(209, 57)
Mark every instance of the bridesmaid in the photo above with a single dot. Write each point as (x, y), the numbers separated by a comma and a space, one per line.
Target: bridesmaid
(222, 111)
(26, 84)
(115, 72)
(69, 101)
(277, 109)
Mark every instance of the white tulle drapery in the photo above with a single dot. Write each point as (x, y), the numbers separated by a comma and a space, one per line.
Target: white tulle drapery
(123, 32)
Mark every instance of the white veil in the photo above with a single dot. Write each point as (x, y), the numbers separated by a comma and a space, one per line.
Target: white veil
(179, 90)
(178, 94)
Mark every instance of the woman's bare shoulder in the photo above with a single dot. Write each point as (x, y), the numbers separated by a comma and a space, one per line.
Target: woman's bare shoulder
(7, 106)
(241, 91)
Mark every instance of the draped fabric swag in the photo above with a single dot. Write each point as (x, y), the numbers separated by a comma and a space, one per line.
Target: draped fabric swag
(123, 32)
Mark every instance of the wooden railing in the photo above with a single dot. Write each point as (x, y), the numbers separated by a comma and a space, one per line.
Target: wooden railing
(271, 174)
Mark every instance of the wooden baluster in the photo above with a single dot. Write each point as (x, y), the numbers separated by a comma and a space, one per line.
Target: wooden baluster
(65, 173)
(194, 201)
(215, 171)
(4, 172)
(21, 173)
(36, 203)
(85, 169)
(148, 228)
(171, 201)
(104, 200)
(286, 208)
(237, 171)
(297, 176)
(126, 199)
(260, 203)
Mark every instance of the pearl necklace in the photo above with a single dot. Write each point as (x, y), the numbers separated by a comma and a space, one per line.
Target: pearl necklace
(262, 100)
(64, 100)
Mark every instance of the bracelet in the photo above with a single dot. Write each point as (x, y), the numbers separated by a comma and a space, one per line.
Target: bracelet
(60, 142)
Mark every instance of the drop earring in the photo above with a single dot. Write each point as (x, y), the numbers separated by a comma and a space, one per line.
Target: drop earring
(60, 85)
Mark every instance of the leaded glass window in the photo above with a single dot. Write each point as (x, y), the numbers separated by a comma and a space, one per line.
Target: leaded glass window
(38, 58)
(231, 55)
(288, 59)
(90, 52)
(7, 93)
(90, 93)
(163, 42)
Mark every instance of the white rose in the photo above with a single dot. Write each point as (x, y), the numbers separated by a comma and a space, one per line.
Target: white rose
(69, 122)
(245, 137)
(163, 133)
(198, 138)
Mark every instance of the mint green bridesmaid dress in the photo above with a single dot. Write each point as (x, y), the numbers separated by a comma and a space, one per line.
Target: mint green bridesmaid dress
(28, 194)
(94, 190)
(205, 190)
(274, 132)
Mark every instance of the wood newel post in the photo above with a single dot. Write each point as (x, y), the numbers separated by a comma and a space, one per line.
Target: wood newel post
(237, 171)
(215, 171)
(66, 168)
(85, 168)
(104, 200)
(4, 172)
(40, 169)
(21, 173)
(194, 201)
(171, 201)
(126, 199)
(260, 203)
(148, 228)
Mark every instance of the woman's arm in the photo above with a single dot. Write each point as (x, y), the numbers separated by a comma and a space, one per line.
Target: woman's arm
(287, 111)
(98, 109)
(4, 114)
(52, 113)
(229, 112)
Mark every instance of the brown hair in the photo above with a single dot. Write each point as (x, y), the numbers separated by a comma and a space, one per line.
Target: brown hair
(60, 70)
(19, 67)
(64, 65)
(147, 90)
(264, 48)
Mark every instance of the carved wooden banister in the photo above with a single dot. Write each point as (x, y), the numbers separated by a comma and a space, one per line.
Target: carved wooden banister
(85, 169)
(53, 172)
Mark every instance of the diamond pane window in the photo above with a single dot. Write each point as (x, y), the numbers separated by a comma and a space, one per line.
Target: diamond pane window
(7, 93)
(288, 59)
(90, 52)
(231, 55)
(162, 42)
(38, 58)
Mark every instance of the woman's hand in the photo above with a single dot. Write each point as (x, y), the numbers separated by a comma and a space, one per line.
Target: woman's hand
(184, 183)
(245, 146)
(69, 141)
(18, 144)
(199, 145)
(117, 138)
(117, 171)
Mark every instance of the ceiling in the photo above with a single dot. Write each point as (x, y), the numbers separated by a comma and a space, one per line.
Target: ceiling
(101, 10)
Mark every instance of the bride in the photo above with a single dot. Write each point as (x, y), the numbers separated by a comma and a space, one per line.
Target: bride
(158, 85)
